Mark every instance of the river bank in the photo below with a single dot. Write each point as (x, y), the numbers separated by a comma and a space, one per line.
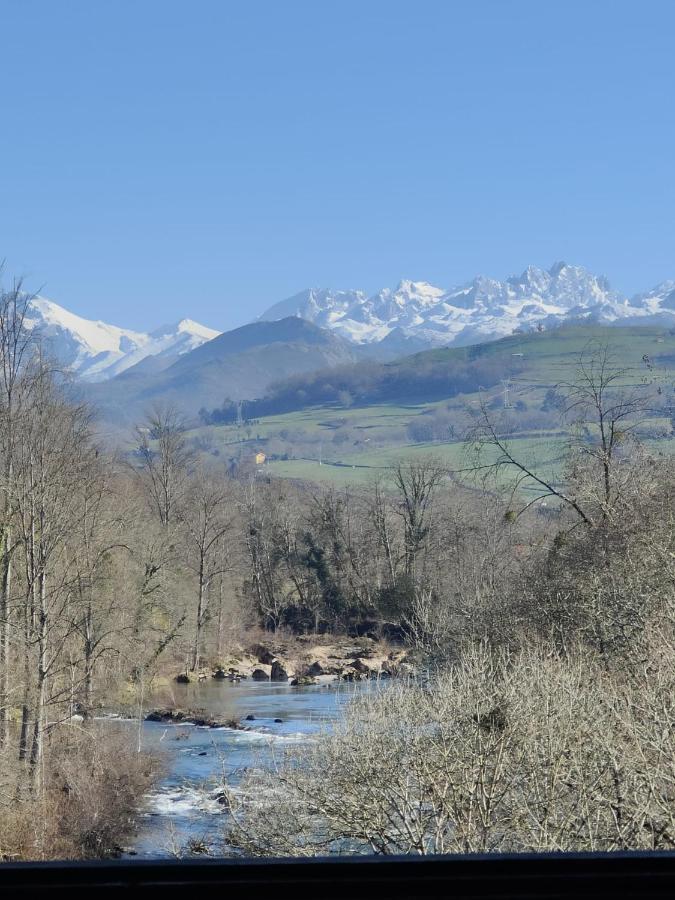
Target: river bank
(306, 660)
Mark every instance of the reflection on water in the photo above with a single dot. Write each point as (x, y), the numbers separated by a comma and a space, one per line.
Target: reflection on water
(185, 806)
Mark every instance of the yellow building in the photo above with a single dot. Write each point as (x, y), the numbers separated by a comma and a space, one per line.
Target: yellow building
(260, 458)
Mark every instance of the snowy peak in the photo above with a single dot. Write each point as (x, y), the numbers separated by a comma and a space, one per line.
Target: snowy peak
(187, 327)
(419, 291)
(97, 351)
(659, 300)
(573, 286)
(482, 309)
(95, 337)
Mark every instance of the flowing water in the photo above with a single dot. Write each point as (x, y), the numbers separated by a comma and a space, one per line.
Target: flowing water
(184, 805)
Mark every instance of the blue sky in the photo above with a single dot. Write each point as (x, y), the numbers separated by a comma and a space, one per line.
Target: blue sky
(207, 158)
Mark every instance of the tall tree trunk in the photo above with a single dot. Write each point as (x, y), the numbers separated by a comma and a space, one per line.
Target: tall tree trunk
(29, 628)
(37, 744)
(5, 585)
(88, 665)
(25, 705)
(219, 647)
(200, 616)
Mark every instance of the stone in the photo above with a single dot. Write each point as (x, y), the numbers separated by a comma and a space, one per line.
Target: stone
(278, 672)
(183, 678)
(350, 674)
(360, 667)
(264, 655)
(261, 674)
(324, 667)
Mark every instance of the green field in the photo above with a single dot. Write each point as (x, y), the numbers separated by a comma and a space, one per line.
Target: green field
(370, 424)
(352, 445)
(546, 454)
(322, 420)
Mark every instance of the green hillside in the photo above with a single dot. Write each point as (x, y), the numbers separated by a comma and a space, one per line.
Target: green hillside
(240, 363)
(552, 356)
(353, 442)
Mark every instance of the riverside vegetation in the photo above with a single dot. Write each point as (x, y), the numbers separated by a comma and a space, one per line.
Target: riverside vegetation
(545, 626)
(549, 723)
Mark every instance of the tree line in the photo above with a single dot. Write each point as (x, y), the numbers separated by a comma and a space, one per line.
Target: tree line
(429, 376)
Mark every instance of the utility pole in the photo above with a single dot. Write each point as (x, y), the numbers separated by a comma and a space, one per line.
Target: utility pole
(506, 382)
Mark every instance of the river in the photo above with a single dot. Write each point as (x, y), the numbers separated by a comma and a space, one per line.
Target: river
(184, 806)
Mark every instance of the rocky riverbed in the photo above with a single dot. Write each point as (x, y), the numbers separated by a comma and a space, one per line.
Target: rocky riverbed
(307, 661)
(211, 725)
(219, 729)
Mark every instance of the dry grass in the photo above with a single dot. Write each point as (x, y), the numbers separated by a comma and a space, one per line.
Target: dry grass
(94, 782)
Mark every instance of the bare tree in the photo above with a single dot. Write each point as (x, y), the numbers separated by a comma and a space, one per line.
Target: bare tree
(416, 483)
(380, 514)
(277, 582)
(102, 533)
(206, 515)
(603, 411)
(15, 350)
(51, 465)
(605, 401)
(164, 457)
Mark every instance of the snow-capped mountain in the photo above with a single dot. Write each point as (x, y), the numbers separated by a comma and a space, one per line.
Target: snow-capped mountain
(96, 351)
(659, 300)
(411, 317)
(480, 310)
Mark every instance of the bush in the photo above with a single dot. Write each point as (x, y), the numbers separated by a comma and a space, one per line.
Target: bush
(94, 783)
(508, 753)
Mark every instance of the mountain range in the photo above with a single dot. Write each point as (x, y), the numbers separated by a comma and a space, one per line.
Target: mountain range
(96, 351)
(413, 316)
(481, 310)
(190, 365)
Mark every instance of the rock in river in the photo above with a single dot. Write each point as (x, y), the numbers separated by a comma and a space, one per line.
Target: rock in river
(278, 672)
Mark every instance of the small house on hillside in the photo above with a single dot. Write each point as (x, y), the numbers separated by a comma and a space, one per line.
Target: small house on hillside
(260, 458)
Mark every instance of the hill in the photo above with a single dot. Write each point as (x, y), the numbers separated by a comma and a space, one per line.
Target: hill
(544, 358)
(372, 414)
(238, 364)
